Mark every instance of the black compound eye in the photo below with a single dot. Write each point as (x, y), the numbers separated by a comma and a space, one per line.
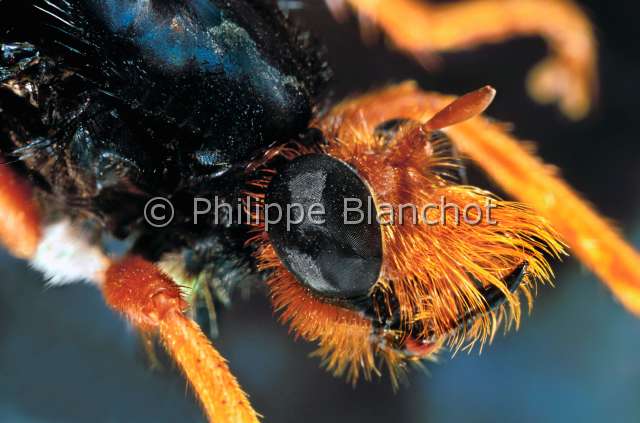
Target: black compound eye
(334, 251)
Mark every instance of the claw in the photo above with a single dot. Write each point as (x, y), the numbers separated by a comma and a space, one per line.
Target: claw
(494, 297)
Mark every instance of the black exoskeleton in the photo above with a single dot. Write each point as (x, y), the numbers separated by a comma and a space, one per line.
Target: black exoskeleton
(108, 103)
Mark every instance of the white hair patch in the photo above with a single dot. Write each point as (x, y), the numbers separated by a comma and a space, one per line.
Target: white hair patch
(66, 256)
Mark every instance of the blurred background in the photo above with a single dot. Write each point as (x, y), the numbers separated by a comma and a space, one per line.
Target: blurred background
(65, 358)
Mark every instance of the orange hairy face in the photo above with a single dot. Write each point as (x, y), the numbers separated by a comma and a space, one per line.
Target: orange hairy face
(435, 270)
(455, 259)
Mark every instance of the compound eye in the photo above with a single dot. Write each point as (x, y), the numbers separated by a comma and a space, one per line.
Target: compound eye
(329, 247)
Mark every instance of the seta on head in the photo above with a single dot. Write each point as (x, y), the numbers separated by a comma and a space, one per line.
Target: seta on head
(396, 291)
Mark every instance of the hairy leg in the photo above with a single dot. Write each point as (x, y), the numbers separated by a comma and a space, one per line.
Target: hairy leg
(138, 290)
(568, 76)
(525, 177)
(20, 229)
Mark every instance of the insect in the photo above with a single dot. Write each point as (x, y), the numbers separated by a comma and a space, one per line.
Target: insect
(109, 104)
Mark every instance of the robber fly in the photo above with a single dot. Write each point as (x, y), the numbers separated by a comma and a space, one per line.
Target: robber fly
(108, 105)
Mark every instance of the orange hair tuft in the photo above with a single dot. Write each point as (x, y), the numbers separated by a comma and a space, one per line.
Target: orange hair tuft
(435, 271)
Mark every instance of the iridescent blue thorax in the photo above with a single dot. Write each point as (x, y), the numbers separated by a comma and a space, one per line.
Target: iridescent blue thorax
(233, 67)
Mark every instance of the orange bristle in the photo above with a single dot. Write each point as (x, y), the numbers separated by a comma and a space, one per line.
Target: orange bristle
(343, 335)
(433, 269)
(434, 272)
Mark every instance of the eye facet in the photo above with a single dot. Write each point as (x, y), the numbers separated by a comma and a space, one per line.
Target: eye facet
(333, 253)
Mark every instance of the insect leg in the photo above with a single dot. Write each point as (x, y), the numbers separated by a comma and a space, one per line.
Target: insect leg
(138, 290)
(19, 220)
(568, 76)
(147, 297)
(528, 179)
